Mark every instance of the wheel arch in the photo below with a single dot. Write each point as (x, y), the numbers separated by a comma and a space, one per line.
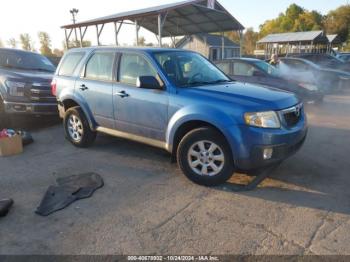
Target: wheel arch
(70, 101)
(187, 127)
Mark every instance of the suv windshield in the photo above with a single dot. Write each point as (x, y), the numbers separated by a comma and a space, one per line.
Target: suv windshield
(187, 69)
(25, 61)
(267, 68)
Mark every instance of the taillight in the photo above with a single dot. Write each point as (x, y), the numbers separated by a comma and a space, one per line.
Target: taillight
(53, 87)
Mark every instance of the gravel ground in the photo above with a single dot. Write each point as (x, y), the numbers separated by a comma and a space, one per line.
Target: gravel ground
(148, 207)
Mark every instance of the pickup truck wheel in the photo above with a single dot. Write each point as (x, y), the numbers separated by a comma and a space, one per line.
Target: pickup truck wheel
(77, 129)
(205, 157)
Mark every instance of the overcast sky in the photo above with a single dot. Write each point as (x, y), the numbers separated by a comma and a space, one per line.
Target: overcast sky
(24, 16)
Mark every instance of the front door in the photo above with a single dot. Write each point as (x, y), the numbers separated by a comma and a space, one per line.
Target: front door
(143, 112)
(96, 87)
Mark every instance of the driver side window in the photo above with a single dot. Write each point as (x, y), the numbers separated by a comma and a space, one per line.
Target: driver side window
(133, 66)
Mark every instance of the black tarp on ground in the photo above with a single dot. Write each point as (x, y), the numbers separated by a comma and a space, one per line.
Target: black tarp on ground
(68, 190)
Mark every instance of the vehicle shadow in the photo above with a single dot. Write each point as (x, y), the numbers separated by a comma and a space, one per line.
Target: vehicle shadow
(316, 177)
(32, 123)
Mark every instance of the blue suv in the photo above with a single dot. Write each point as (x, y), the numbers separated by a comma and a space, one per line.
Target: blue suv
(178, 101)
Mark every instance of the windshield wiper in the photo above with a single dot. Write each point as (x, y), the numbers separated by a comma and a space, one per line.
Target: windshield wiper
(197, 83)
(41, 69)
(222, 81)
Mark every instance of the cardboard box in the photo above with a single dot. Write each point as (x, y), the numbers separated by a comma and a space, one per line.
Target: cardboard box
(10, 146)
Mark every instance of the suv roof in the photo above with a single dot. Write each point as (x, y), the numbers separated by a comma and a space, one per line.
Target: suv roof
(18, 50)
(144, 49)
(246, 59)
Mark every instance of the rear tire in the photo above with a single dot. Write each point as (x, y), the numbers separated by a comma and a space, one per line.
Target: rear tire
(77, 129)
(205, 157)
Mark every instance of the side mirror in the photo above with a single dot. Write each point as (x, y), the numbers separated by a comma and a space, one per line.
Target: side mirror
(148, 82)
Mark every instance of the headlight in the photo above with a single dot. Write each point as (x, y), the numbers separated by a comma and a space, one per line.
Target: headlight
(262, 119)
(15, 88)
(309, 87)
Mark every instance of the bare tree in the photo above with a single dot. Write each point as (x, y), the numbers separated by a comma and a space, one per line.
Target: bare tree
(12, 43)
(26, 42)
(45, 43)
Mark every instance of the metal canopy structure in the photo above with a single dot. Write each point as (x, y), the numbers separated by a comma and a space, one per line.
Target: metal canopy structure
(334, 39)
(171, 20)
(297, 37)
(296, 42)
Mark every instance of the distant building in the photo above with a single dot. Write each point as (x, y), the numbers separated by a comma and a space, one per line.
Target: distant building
(210, 46)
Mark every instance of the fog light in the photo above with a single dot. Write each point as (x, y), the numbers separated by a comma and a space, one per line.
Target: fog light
(267, 154)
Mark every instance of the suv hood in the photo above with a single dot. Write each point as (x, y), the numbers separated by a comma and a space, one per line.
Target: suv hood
(27, 75)
(250, 96)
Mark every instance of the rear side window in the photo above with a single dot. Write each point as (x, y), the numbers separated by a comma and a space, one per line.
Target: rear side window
(69, 63)
(243, 69)
(224, 67)
(100, 66)
(133, 66)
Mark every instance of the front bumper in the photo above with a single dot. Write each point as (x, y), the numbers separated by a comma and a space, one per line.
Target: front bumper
(248, 144)
(30, 108)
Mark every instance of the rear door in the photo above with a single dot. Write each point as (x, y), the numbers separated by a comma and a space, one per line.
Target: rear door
(96, 86)
(225, 67)
(66, 72)
(139, 111)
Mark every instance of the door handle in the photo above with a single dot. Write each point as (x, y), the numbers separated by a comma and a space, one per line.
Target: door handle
(83, 87)
(122, 94)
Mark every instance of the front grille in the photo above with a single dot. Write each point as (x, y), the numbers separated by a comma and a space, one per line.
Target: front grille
(291, 116)
(40, 93)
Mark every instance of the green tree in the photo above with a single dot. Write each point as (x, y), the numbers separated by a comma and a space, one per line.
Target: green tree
(308, 21)
(12, 42)
(250, 39)
(26, 42)
(294, 19)
(45, 44)
(338, 22)
(1, 43)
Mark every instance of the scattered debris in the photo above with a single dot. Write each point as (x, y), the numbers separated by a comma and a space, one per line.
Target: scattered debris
(26, 137)
(68, 190)
(5, 206)
(10, 143)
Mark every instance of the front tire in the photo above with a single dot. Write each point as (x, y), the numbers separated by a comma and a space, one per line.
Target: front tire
(205, 157)
(77, 129)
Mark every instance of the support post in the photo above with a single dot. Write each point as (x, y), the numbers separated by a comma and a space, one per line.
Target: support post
(117, 30)
(161, 22)
(137, 28)
(98, 35)
(241, 43)
(222, 46)
(81, 37)
(160, 30)
(116, 33)
(67, 40)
